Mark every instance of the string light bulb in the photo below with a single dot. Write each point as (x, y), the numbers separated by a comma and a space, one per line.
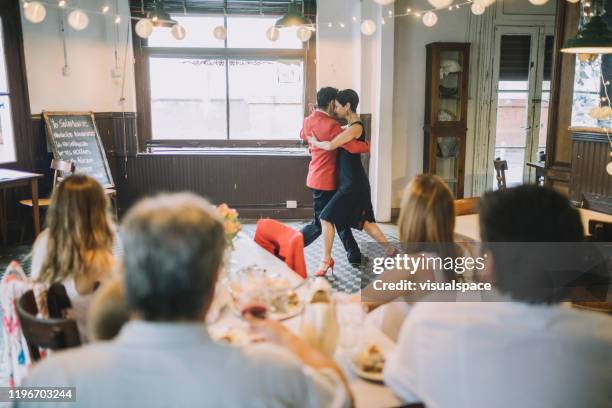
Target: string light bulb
(439, 4)
(144, 28)
(78, 19)
(477, 8)
(178, 32)
(304, 33)
(34, 11)
(368, 27)
(105, 8)
(273, 33)
(117, 19)
(61, 3)
(430, 19)
(220, 33)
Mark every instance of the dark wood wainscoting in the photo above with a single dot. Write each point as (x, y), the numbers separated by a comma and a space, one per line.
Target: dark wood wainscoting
(257, 185)
(590, 155)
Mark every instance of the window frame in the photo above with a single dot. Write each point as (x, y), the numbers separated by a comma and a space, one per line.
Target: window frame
(143, 53)
(18, 86)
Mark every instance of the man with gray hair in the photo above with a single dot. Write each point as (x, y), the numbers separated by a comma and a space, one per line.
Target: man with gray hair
(164, 356)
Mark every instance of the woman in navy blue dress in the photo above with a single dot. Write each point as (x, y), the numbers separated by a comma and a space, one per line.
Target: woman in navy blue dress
(351, 205)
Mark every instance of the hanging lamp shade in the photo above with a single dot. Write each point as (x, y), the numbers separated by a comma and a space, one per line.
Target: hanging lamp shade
(160, 17)
(593, 38)
(293, 18)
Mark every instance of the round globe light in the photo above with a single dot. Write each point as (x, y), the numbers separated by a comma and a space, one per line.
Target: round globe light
(573, 1)
(220, 33)
(609, 168)
(440, 3)
(368, 27)
(273, 33)
(303, 33)
(384, 2)
(478, 9)
(178, 32)
(78, 20)
(538, 2)
(430, 19)
(144, 28)
(34, 11)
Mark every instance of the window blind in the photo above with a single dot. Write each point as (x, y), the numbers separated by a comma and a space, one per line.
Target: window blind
(514, 57)
(269, 7)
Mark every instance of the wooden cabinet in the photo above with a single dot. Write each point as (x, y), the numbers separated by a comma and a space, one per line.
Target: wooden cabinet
(446, 97)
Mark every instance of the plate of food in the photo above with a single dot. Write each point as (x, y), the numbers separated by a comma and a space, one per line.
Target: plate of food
(369, 363)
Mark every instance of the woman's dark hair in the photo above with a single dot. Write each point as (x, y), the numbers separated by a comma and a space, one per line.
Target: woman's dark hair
(348, 96)
(325, 96)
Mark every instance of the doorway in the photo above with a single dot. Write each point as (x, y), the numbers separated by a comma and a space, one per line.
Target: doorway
(523, 70)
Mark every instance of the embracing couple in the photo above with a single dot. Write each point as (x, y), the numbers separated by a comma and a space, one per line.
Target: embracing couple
(339, 183)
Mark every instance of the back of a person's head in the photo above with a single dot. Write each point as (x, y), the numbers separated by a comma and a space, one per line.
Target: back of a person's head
(524, 228)
(79, 227)
(325, 96)
(528, 214)
(174, 247)
(427, 212)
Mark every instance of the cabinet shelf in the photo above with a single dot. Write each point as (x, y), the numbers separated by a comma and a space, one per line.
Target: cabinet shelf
(446, 98)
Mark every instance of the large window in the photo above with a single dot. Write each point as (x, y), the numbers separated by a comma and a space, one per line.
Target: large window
(245, 88)
(7, 137)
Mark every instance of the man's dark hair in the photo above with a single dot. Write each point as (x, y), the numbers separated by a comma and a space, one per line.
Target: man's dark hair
(325, 96)
(173, 247)
(348, 96)
(512, 222)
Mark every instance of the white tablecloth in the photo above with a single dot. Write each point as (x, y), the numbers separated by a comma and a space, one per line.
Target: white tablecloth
(367, 394)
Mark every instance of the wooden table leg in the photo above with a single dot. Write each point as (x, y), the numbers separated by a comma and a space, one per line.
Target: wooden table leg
(35, 208)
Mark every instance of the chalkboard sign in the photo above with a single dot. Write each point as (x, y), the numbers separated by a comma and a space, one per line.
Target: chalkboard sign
(74, 137)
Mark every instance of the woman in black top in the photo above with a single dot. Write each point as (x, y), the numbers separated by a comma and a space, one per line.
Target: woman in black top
(351, 206)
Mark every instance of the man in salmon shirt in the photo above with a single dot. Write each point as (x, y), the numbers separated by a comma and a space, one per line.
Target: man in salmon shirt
(322, 172)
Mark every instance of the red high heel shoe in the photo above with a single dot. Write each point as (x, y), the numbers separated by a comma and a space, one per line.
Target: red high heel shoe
(323, 271)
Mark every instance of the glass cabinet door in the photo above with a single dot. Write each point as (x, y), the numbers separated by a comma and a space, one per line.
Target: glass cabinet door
(447, 157)
(449, 88)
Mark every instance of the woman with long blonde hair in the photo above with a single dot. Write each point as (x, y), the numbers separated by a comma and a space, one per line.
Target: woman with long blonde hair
(76, 247)
(426, 224)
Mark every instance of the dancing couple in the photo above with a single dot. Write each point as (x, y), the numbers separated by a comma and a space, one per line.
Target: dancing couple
(341, 189)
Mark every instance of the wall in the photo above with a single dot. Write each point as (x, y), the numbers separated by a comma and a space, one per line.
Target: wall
(90, 52)
(348, 59)
(243, 181)
(411, 36)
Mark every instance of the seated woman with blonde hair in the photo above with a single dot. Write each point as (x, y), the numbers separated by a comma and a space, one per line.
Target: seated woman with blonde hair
(76, 248)
(426, 225)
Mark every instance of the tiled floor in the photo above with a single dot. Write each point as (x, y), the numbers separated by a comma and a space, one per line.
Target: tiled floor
(346, 277)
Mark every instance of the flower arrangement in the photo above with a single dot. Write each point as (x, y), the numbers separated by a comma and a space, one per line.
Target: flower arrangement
(230, 222)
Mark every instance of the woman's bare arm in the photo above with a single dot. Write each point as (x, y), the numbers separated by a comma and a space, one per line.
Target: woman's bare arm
(350, 133)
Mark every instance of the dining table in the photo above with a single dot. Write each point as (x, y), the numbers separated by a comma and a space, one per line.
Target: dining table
(246, 253)
(467, 227)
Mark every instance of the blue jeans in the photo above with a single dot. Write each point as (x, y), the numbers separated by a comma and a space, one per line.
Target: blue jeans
(313, 230)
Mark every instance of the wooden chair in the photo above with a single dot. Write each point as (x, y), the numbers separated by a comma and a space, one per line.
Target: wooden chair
(500, 169)
(57, 300)
(466, 206)
(52, 333)
(61, 169)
